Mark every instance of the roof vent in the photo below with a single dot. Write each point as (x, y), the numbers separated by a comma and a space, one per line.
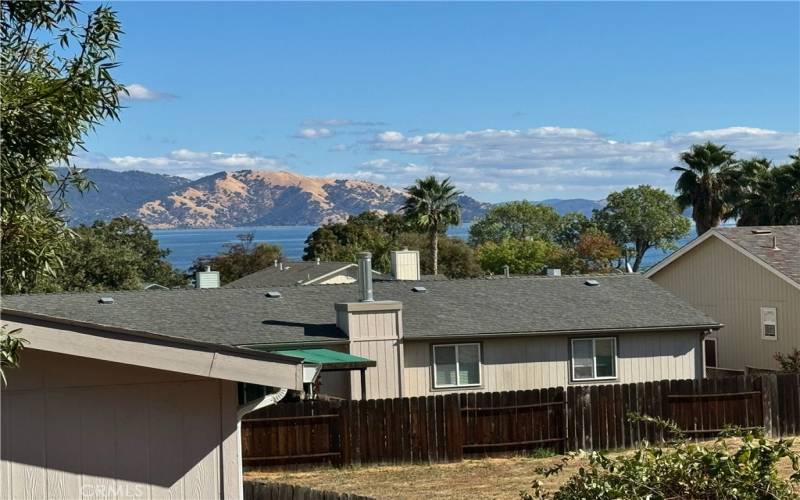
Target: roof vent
(273, 295)
(591, 283)
(419, 289)
(106, 300)
(761, 231)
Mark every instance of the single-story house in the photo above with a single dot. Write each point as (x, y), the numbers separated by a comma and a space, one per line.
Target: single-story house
(102, 408)
(749, 279)
(424, 338)
(299, 273)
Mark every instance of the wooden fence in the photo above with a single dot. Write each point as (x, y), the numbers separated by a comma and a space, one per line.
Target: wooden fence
(449, 427)
(257, 490)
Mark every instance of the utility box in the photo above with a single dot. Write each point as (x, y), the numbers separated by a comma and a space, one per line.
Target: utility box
(206, 279)
(405, 264)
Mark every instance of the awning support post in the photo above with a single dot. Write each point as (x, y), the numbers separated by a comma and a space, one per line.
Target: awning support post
(363, 384)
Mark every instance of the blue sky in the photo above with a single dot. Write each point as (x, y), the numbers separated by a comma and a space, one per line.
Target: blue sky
(514, 100)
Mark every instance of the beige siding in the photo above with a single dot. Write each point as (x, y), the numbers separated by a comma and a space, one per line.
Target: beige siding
(732, 289)
(81, 428)
(518, 363)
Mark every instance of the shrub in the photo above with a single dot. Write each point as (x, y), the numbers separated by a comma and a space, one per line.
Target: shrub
(742, 469)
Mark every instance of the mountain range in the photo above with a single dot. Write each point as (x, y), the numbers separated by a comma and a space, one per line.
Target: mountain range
(247, 198)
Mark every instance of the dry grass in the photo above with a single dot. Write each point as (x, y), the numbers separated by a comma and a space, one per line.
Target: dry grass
(485, 478)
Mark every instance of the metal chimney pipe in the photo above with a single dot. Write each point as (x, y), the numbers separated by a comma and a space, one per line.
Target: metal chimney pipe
(775, 243)
(365, 277)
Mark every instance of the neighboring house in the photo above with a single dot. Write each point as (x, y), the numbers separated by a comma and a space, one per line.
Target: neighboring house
(749, 279)
(431, 337)
(101, 409)
(299, 273)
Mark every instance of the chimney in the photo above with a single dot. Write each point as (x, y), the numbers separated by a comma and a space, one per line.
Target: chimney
(506, 271)
(365, 277)
(405, 264)
(553, 271)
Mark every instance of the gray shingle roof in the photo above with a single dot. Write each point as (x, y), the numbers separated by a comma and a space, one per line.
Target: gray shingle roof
(294, 273)
(758, 241)
(306, 314)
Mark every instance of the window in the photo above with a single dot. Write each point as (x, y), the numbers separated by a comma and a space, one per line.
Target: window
(594, 359)
(769, 323)
(710, 347)
(456, 365)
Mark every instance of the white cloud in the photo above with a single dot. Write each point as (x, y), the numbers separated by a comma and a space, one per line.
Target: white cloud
(339, 122)
(138, 92)
(314, 133)
(559, 160)
(183, 162)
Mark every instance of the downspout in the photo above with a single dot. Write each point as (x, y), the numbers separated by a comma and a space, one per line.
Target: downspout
(263, 402)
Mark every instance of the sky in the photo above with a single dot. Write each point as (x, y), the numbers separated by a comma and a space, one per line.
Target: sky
(510, 100)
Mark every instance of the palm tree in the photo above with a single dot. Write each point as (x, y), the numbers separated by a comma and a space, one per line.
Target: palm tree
(707, 184)
(433, 207)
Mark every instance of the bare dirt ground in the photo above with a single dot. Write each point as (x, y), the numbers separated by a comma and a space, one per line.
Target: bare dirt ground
(493, 478)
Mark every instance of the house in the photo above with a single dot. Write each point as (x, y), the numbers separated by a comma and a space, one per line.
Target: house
(106, 409)
(422, 338)
(749, 279)
(299, 273)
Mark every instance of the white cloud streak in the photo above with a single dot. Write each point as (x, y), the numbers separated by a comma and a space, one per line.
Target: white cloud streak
(138, 92)
(314, 133)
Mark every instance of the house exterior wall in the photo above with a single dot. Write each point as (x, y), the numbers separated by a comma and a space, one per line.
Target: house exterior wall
(76, 427)
(732, 289)
(518, 363)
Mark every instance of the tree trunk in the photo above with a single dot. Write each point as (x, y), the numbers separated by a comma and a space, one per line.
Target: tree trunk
(435, 251)
(641, 248)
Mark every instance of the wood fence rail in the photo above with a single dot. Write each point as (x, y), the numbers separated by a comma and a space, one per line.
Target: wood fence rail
(447, 428)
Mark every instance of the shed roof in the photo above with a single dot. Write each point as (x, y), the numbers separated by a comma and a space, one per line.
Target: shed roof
(305, 315)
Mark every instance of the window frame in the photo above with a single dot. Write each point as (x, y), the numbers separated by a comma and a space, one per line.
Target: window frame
(435, 383)
(594, 340)
(762, 324)
(705, 350)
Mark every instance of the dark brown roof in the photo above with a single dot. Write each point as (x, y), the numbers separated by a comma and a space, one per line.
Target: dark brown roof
(758, 240)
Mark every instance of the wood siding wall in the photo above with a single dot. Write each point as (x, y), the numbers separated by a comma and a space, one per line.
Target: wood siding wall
(517, 363)
(732, 289)
(81, 428)
(376, 335)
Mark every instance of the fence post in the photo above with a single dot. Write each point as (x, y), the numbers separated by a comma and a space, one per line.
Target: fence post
(769, 408)
(455, 437)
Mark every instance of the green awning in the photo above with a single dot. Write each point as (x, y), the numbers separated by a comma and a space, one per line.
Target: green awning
(329, 359)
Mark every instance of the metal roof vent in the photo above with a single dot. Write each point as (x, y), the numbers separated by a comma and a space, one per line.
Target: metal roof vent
(761, 231)
(419, 289)
(591, 283)
(273, 295)
(106, 300)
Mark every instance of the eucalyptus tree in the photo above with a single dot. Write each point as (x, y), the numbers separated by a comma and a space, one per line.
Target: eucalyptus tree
(432, 206)
(707, 183)
(56, 86)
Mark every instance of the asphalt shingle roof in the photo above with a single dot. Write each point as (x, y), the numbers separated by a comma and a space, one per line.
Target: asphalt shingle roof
(448, 308)
(758, 241)
(293, 273)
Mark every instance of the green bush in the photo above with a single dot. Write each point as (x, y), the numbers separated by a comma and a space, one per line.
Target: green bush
(742, 469)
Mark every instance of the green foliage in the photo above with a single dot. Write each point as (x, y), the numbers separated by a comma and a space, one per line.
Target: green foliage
(56, 86)
(117, 255)
(741, 469)
(519, 220)
(769, 195)
(789, 363)
(596, 251)
(432, 206)
(570, 228)
(645, 217)
(707, 184)
(521, 256)
(240, 259)
(11, 345)
(456, 257)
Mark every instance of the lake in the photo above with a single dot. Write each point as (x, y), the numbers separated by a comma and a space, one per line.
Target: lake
(187, 244)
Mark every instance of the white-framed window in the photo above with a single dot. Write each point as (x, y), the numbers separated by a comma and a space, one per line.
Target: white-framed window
(710, 352)
(456, 365)
(594, 358)
(769, 323)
